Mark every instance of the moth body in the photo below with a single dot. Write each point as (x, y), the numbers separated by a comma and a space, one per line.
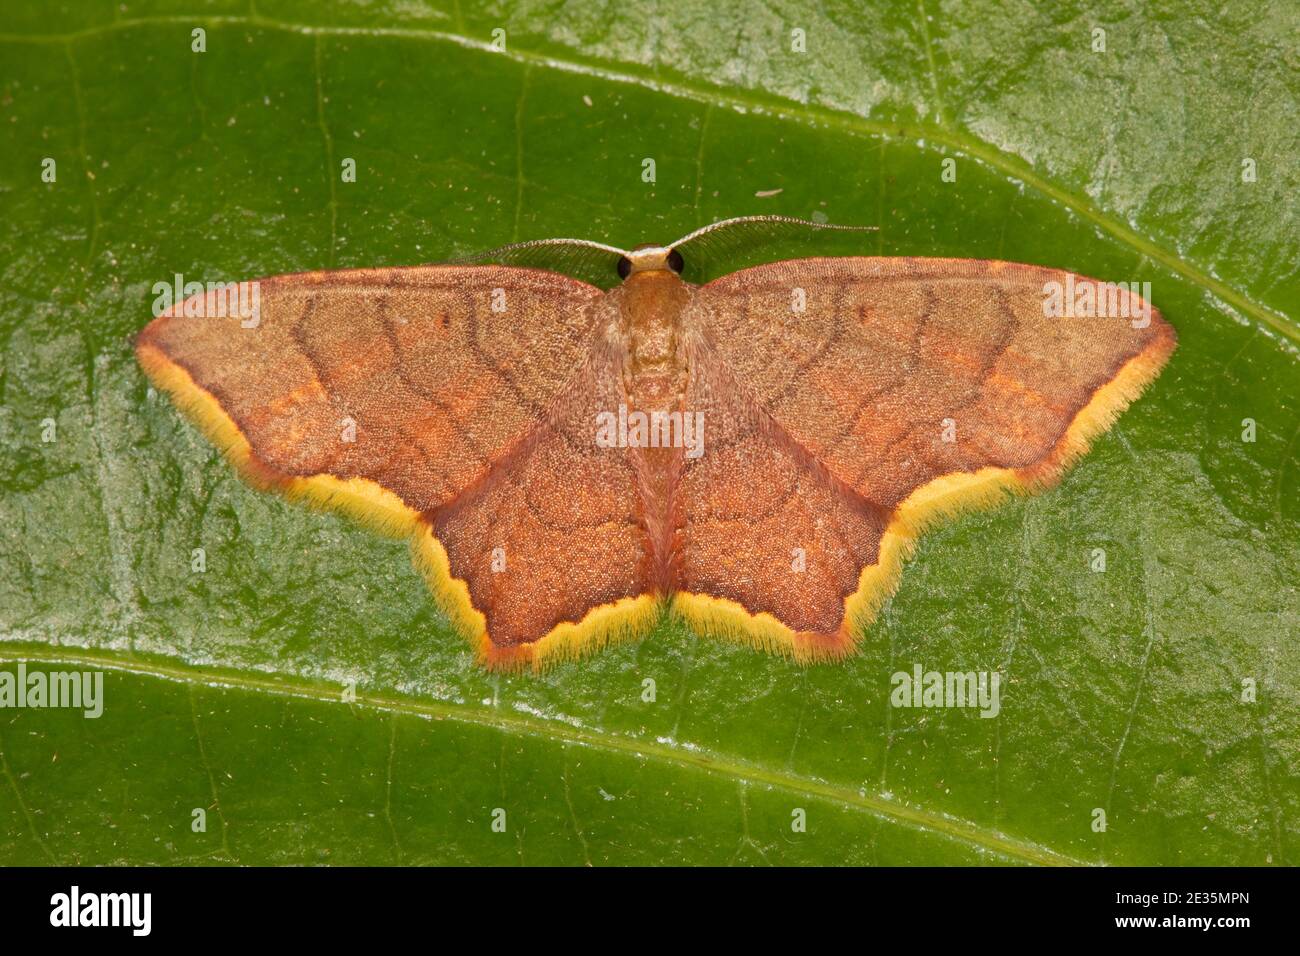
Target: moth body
(651, 304)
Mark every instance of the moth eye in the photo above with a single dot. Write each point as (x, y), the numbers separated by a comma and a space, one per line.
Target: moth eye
(624, 267)
(675, 261)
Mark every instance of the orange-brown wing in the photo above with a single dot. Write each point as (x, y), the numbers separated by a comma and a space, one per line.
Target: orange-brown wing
(417, 397)
(770, 542)
(553, 545)
(405, 377)
(848, 401)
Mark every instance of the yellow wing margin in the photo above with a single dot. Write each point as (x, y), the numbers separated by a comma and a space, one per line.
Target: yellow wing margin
(378, 509)
(943, 497)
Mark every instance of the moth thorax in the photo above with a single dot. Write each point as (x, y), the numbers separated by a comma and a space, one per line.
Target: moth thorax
(655, 371)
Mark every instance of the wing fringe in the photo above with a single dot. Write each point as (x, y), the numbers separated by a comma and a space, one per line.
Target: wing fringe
(938, 500)
(379, 510)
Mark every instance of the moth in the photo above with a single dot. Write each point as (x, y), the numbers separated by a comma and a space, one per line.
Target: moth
(757, 453)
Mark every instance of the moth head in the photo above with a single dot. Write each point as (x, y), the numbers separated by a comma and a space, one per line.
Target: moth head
(649, 257)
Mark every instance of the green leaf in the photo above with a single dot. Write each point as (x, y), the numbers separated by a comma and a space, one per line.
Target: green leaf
(225, 690)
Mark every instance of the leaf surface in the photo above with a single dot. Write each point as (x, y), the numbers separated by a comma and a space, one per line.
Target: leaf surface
(225, 690)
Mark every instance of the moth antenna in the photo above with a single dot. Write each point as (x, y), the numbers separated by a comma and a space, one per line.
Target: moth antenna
(721, 242)
(583, 259)
(776, 224)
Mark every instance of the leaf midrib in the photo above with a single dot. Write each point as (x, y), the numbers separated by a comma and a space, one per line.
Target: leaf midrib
(806, 114)
(557, 731)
